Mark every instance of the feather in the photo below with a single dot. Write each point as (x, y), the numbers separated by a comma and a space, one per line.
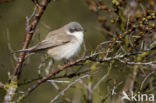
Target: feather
(53, 41)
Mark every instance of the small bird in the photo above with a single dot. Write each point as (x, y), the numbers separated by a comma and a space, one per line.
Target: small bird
(62, 43)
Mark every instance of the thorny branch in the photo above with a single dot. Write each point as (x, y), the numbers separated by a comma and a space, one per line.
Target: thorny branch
(30, 28)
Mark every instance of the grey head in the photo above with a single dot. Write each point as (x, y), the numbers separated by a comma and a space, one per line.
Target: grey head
(74, 27)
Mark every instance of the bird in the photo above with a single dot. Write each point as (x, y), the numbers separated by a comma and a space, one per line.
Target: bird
(61, 44)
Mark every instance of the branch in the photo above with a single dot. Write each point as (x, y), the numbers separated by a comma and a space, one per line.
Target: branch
(58, 70)
(91, 57)
(36, 3)
(142, 84)
(139, 63)
(70, 85)
(71, 75)
(30, 28)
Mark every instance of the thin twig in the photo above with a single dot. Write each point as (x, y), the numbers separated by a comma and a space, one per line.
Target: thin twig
(90, 90)
(46, 26)
(106, 42)
(58, 81)
(69, 86)
(71, 75)
(100, 81)
(146, 79)
(9, 44)
(56, 71)
(30, 29)
(139, 63)
(36, 3)
(74, 63)
(47, 69)
(85, 50)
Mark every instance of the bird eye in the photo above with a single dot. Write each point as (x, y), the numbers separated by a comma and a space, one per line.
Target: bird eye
(78, 29)
(72, 30)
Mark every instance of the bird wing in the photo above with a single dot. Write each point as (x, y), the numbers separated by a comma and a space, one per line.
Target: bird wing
(50, 42)
(54, 41)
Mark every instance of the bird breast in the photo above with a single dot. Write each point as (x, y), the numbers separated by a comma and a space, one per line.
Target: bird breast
(65, 51)
(68, 50)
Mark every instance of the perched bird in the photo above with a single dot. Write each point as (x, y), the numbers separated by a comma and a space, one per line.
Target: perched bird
(62, 43)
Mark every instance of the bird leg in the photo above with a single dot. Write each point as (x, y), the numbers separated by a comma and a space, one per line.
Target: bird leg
(66, 62)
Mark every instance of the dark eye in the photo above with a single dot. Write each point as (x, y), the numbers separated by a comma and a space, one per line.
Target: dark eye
(72, 30)
(77, 29)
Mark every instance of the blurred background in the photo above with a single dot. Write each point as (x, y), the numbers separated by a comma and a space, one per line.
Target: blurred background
(61, 12)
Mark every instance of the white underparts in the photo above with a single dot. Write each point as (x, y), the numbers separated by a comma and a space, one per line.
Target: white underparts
(68, 50)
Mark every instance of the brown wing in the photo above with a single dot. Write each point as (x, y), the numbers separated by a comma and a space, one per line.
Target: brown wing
(52, 41)
(53, 33)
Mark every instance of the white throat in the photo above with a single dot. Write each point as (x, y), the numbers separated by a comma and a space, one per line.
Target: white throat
(78, 35)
